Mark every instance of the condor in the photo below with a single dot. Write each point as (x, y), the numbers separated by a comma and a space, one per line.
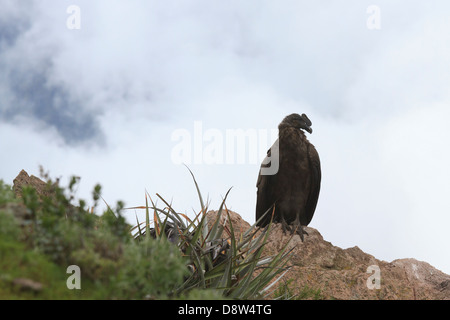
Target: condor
(292, 193)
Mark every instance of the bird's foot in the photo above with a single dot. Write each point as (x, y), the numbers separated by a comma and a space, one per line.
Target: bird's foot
(294, 228)
(299, 229)
(285, 226)
(301, 232)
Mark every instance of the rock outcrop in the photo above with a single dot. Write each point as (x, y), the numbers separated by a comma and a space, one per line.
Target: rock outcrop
(23, 179)
(320, 270)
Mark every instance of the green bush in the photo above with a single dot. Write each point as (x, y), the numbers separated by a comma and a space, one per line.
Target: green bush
(6, 194)
(152, 268)
(177, 258)
(9, 226)
(225, 265)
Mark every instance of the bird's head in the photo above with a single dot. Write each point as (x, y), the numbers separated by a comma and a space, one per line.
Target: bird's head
(297, 121)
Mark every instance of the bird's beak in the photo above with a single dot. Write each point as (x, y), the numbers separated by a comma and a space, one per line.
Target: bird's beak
(308, 129)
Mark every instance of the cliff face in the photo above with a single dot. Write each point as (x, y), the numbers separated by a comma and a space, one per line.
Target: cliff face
(320, 270)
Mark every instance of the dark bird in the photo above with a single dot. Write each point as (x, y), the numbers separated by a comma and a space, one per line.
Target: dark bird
(289, 178)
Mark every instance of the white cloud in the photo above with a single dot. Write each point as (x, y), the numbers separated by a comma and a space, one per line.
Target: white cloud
(142, 69)
(415, 152)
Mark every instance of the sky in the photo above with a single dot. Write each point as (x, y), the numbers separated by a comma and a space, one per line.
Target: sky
(123, 93)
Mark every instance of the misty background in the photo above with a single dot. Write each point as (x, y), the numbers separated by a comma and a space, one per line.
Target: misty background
(103, 101)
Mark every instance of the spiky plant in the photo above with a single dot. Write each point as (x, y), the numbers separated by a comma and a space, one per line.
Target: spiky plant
(234, 268)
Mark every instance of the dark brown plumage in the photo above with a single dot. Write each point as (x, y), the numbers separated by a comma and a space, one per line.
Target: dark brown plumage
(294, 188)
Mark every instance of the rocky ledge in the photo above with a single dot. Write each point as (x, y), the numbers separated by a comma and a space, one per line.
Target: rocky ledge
(320, 270)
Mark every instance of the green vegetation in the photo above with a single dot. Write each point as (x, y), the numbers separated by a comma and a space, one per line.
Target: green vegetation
(285, 292)
(176, 258)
